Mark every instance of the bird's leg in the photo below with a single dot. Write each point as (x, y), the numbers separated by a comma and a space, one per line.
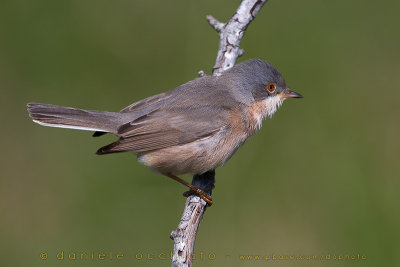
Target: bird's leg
(193, 189)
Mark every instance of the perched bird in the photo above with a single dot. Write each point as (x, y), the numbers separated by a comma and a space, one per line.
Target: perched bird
(193, 128)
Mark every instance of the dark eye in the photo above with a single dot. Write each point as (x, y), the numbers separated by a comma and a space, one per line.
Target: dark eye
(271, 87)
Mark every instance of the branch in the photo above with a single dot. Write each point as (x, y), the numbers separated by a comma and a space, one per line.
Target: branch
(230, 36)
(185, 235)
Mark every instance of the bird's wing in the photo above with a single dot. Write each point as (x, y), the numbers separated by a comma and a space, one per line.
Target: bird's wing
(142, 107)
(167, 127)
(148, 104)
(190, 112)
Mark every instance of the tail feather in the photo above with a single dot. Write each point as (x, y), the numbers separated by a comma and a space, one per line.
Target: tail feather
(66, 117)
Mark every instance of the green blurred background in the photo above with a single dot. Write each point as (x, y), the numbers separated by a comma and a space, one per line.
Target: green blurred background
(320, 178)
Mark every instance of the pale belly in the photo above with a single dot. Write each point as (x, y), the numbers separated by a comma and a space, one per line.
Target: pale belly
(196, 157)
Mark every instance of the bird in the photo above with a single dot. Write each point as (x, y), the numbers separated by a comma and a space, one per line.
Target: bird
(191, 129)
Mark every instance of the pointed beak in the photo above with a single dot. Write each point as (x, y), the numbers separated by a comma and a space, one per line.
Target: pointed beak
(290, 94)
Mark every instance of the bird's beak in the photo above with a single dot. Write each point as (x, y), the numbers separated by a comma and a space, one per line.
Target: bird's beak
(290, 94)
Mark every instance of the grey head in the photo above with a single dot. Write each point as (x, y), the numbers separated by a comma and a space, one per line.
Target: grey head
(256, 80)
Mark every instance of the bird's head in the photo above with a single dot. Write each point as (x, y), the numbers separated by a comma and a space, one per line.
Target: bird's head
(258, 82)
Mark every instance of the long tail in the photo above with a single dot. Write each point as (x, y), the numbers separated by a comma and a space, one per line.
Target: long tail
(66, 117)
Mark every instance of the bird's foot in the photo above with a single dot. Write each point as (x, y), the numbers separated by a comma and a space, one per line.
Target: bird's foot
(195, 190)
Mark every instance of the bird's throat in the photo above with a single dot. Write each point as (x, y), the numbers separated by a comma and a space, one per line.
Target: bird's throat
(259, 110)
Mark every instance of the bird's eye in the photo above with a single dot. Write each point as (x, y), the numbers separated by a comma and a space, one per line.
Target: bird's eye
(271, 87)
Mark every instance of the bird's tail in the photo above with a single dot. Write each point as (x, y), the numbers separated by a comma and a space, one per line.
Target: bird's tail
(66, 117)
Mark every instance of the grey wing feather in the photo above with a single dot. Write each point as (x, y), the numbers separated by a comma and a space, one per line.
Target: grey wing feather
(189, 112)
(147, 105)
(164, 128)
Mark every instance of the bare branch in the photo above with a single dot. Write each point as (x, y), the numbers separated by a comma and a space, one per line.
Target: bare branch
(230, 35)
(187, 229)
(185, 235)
